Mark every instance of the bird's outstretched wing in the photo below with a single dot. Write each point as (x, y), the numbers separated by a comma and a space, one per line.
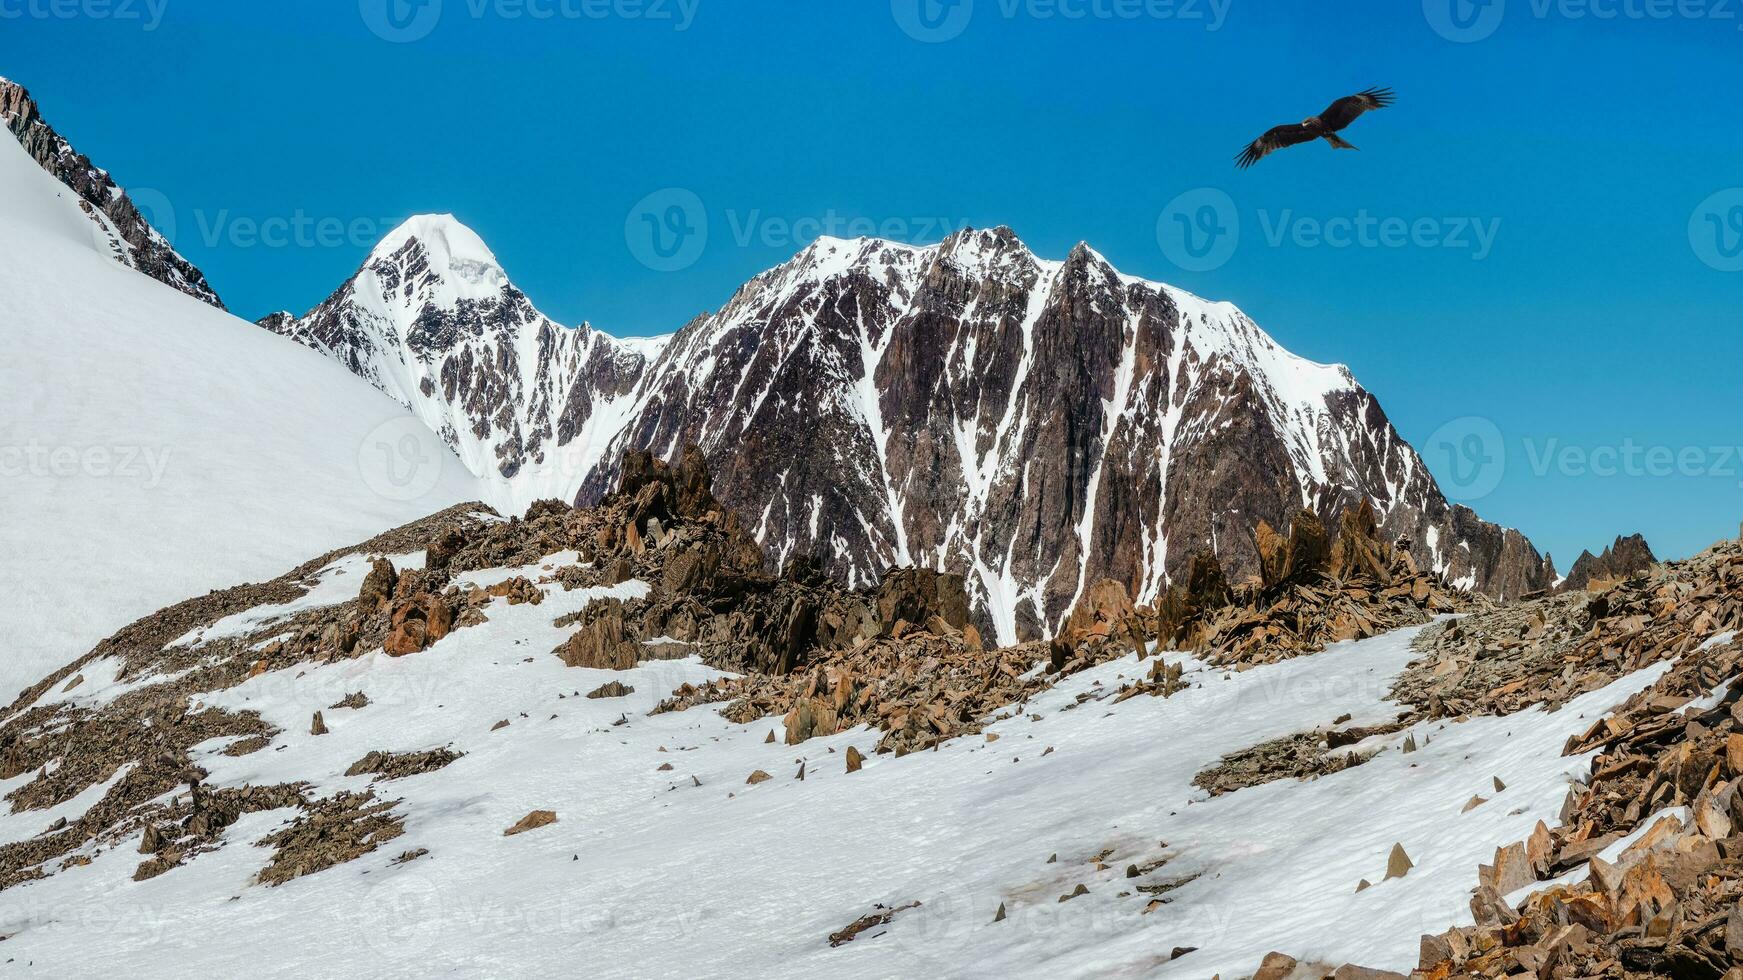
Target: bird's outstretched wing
(1275, 138)
(1345, 110)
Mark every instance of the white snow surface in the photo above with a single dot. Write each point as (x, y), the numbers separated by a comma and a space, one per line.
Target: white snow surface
(692, 873)
(153, 447)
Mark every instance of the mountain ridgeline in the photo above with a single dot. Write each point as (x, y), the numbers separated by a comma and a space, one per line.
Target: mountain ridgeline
(1033, 425)
(117, 224)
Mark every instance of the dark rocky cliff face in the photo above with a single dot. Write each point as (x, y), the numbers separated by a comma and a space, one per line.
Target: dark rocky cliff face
(135, 243)
(1625, 557)
(1034, 426)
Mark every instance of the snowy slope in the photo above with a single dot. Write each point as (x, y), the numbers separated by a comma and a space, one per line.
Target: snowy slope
(153, 447)
(689, 872)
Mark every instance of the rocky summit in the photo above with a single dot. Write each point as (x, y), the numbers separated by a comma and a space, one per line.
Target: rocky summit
(1033, 426)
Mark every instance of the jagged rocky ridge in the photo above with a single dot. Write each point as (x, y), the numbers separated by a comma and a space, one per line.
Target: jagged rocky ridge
(661, 570)
(1035, 426)
(119, 226)
(1628, 556)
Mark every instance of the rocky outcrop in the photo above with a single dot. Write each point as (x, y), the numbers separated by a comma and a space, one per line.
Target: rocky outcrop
(134, 242)
(1628, 556)
(1311, 592)
(1642, 875)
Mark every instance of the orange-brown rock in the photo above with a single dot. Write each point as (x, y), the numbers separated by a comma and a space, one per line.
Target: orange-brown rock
(532, 821)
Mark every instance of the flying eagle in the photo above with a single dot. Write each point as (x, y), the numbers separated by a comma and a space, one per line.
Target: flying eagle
(1323, 126)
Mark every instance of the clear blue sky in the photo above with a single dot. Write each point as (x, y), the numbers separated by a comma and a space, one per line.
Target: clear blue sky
(1544, 249)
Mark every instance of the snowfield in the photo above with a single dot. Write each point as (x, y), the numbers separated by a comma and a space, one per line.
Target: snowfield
(691, 872)
(153, 447)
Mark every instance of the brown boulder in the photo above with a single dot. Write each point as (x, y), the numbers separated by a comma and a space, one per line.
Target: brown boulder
(917, 594)
(1273, 554)
(532, 821)
(1103, 604)
(378, 585)
(602, 643)
(1350, 971)
(1275, 966)
(1206, 585)
(443, 549)
(416, 623)
(1308, 550)
(407, 638)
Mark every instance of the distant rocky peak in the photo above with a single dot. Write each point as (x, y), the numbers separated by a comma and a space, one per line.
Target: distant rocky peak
(1627, 556)
(124, 232)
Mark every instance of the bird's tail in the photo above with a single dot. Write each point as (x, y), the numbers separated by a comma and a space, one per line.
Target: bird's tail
(1339, 143)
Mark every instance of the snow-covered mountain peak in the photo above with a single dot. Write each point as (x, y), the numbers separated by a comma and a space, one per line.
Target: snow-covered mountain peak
(432, 319)
(434, 260)
(444, 238)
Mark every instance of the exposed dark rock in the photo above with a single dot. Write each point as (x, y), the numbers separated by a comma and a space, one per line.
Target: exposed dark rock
(915, 595)
(1628, 556)
(400, 765)
(329, 832)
